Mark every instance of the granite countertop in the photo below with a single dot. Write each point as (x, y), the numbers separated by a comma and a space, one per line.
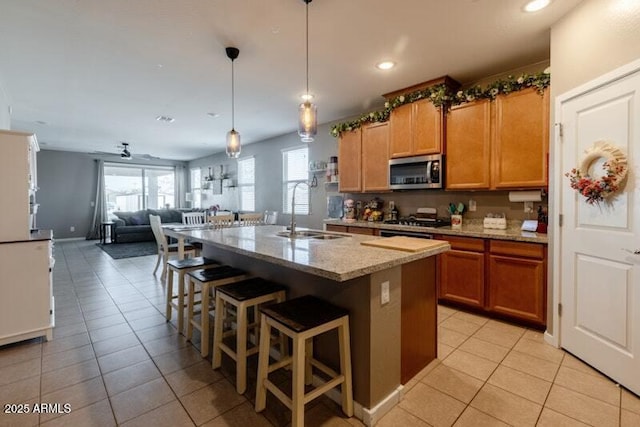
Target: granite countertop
(470, 228)
(336, 259)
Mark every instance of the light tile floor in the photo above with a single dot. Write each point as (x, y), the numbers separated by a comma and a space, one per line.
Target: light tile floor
(116, 361)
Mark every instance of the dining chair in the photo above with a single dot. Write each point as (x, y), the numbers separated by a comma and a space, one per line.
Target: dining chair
(193, 218)
(164, 248)
(270, 217)
(221, 221)
(250, 219)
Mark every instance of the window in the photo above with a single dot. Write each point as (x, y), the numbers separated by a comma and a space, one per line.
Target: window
(196, 188)
(247, 183)
(294, 170)
(135, 187)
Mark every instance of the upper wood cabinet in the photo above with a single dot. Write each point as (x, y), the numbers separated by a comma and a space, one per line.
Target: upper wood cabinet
(375, 157)
(416, 129)
(350, 161)
(364, 159)
(499, 145)
(468, 156)
(521, 140)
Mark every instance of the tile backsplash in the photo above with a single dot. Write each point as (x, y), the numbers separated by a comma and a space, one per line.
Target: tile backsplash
(408, 202)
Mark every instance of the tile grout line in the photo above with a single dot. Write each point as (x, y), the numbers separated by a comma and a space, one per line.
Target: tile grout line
(162, 375)
(148, 354)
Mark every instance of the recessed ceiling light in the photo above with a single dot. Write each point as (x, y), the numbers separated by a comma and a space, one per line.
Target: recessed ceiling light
(536, 5)
(165, 119)
(306, 96)
(385, 65)
(214, 115)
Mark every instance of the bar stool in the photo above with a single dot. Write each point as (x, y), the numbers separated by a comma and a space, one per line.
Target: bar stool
(301, 319)
(207, 280)
(242, 296)
(182, 267)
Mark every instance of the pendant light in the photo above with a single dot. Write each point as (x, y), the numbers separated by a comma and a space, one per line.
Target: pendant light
(307, 113)
(233, 136)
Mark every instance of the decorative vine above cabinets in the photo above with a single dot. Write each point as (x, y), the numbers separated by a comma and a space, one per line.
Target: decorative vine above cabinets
(441, 95)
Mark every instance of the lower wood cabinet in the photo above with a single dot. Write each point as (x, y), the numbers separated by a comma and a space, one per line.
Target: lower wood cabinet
(496, 276)
(353, 230)
(461, 272)
(517, 280)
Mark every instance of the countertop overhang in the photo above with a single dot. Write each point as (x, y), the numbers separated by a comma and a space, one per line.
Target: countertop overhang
(335, 259)
(470, 228)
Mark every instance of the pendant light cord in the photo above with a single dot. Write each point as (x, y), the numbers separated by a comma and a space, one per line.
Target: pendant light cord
(307, 13)
(233, 98)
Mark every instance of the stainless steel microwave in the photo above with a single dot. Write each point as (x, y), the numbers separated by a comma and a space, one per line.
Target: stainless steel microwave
(415, 173)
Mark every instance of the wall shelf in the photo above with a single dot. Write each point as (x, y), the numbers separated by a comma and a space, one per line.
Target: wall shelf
(317, 170)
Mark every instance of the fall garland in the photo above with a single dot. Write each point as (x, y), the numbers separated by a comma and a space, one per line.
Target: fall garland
(441, 96)
(596, 190)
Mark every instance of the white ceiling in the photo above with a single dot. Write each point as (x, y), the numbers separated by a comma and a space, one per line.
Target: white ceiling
(97, 72)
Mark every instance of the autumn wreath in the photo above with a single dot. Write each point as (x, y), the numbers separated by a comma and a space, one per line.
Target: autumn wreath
(596, 190)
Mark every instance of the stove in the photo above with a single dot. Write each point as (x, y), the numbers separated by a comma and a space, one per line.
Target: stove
(424, 217)
(424, 222)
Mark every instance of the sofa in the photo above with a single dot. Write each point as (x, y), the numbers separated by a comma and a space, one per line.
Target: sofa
(135, 227)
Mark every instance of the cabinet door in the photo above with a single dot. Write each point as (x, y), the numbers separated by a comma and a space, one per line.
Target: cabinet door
(521, 141)
(517, 288)
(400, 132)
(363, 230)
(338, 228)
(462, 277)
(468, 147)
(350, 157)
(375, 157)
(427, 128)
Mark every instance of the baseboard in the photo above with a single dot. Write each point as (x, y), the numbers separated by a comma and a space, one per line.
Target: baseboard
(68, 239)
(551, 339)
(369, 416)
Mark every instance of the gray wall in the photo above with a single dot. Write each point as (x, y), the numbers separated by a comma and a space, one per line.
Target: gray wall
(67, 182)
(268, 156)
(67, 186)
(5, 117)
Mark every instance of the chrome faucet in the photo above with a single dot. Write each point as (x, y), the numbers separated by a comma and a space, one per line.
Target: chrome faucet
(292, 228)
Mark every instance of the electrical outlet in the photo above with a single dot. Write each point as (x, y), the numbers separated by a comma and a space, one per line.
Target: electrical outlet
(472, 205)
(72, 229)
(384, 293)
(528, 207)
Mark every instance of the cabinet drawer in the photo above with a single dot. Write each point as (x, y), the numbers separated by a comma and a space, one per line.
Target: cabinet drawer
(528, 250)
(464, 243)
(362, 230)
(338, 228)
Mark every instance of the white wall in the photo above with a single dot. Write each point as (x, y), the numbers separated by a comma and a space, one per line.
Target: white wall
(594, 38)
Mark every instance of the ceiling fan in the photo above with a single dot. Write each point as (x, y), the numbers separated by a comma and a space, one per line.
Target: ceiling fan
(126, 154)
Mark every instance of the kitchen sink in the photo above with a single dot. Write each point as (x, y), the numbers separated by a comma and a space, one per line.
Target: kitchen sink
(309, 234)
(327, 237)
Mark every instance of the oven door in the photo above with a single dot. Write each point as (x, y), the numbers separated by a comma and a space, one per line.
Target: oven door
(391, 233)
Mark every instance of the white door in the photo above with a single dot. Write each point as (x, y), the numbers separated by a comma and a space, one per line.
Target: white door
(599, 274)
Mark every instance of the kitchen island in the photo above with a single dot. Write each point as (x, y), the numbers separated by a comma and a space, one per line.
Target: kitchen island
(391, 340)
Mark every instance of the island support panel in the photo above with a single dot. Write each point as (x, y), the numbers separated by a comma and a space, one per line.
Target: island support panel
(375, 328)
